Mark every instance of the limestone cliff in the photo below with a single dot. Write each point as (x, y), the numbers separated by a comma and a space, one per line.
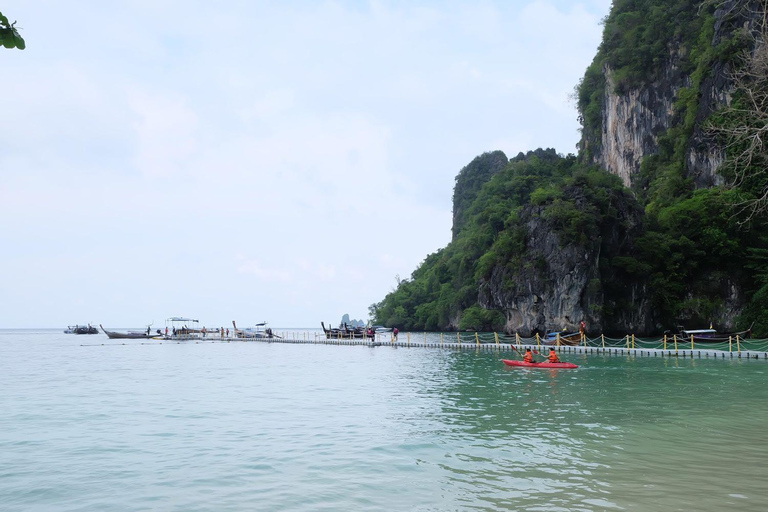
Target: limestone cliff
(634, 118)
(633, 121)
(559, 284)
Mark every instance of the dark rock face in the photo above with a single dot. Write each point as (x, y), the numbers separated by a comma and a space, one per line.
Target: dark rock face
(548, 290)
(559, 285)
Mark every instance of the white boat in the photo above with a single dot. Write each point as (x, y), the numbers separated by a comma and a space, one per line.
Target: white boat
(259, 331)
(178, 328)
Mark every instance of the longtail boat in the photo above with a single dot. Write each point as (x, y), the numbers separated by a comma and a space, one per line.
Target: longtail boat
(130, 334)
(346, 332)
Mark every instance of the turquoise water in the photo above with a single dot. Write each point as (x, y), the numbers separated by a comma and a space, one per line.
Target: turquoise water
(255, 426)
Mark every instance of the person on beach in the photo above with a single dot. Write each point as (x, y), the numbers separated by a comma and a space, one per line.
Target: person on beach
(528, 358)
(394, 333)
(553, 356)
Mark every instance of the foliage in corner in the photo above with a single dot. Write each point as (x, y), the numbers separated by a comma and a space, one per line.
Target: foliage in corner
(9, 36)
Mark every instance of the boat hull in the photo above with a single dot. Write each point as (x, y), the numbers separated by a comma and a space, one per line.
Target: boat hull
(523, 364)
(128, 335)
(572, 339)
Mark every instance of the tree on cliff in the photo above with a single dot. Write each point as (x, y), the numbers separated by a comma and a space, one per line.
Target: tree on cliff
(743, 125)
(9, 36)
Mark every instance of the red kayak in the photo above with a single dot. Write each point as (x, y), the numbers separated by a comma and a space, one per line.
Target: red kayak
(510, 362)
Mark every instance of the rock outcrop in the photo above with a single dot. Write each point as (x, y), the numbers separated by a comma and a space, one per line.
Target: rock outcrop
(633, 121)
(558, 285)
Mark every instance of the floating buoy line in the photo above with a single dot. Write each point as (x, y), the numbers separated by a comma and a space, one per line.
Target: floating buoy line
(626, 346)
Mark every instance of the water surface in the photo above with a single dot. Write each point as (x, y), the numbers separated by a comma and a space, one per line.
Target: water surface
(257, 426)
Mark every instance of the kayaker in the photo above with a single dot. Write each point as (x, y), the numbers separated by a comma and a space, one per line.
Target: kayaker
(528, 358)
(553, 356)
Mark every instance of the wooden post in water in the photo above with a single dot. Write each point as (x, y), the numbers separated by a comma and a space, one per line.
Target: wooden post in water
(517, 339)
(441, 340)
(633, 341)
(558, 339)
(409, 338)
(602, 339)
(496, 335)
(730, 344)
(477, 338)
(691, 341)
(675, 338)
(538, 341)
(458, 336)
(738, 345)
(665, 342)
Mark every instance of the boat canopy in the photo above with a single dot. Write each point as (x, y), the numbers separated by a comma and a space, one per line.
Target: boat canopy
(700, 331)
(181, 319)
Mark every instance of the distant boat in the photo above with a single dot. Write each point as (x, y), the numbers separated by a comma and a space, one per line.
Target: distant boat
(260, 331)
(380, 329)
(131, 334)
(345, 331)
(81, 329)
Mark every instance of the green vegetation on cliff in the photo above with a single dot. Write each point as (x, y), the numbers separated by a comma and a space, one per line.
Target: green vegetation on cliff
(576, 201)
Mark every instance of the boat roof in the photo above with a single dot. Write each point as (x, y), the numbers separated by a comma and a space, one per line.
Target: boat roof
(181, 319)
(700, 331)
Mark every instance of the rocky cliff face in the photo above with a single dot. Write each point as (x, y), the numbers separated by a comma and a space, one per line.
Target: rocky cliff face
(550, 288)
(558, 285)
(633, 121)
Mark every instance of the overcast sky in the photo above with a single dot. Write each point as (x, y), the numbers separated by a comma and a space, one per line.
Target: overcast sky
(249, 161)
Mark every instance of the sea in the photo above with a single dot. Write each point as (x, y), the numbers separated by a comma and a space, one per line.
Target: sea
(91, 424)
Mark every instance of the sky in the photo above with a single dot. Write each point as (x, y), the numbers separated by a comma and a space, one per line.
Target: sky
(279, 161)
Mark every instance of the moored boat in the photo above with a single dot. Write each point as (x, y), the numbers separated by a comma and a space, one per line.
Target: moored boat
(545, 364)
(711, 335)
(81, 329)
(346, 332)
(260, 331)
(573, 338)
(131, 334)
